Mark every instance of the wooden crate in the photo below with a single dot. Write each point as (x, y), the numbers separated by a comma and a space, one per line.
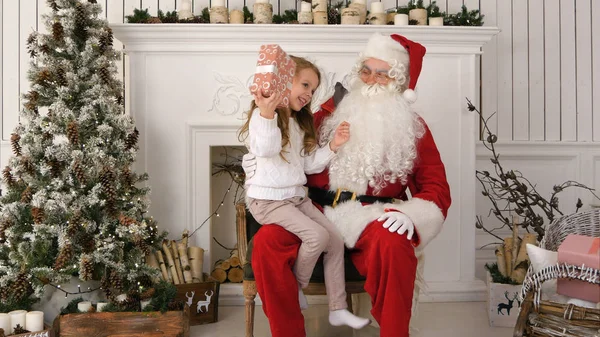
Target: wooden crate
(203, 299)
(503, 303)
(118, 324)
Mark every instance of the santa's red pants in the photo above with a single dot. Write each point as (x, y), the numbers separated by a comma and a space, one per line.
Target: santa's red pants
(387, 260)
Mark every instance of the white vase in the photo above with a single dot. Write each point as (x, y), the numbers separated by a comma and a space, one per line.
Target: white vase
(418, 14)
(437, 21)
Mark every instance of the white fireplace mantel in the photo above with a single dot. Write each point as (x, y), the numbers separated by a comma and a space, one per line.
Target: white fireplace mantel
(188, 90)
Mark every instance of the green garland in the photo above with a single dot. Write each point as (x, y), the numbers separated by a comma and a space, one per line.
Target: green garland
(497, 276)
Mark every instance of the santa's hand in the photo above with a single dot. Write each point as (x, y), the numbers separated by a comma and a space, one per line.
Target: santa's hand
(249, 165)
(398, 222)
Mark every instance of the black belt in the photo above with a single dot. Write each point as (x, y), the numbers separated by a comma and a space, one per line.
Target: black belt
(327, 198)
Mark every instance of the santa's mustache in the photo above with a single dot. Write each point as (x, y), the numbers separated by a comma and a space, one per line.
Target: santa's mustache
(376, 89)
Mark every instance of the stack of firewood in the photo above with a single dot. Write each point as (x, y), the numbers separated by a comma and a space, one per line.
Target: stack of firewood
(512, 257)
(229, 269)
(177, 262)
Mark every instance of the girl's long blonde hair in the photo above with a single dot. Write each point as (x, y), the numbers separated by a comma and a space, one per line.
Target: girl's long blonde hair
(304, 117)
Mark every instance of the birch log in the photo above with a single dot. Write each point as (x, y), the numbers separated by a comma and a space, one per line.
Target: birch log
(170, 262)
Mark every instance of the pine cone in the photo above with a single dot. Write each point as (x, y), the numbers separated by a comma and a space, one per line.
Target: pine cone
(132, 139)
(107, 179)
(31, 100)
(27, 165)
(74, 224)
(120, 100)
(80, 15)
(52, 4)
(106, 40)
(333, 16)
(115, 280)
(27, 195)
(61, 77)
(14, 141)
(8, 177)
(126, 177)
(44, 77)
(79, 172)
(45, 49)
(38, 215)
(21, 286)
(19, 330)
(86, 269)
(58, 32)
(4, 225)
(92, 1)
(55, 167)
(72, 133)
(141, 243)
(104, 74)
(147, 294)
(64, 257)
(88, 244)
(126, 221)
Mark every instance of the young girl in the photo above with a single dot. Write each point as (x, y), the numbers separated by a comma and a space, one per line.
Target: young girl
(285, 145)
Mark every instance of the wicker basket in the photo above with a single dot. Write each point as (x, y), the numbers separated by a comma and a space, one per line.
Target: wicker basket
(546, 318)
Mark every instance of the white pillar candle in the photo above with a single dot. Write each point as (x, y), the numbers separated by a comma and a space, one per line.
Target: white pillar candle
(401, 20)
(121, 298)
(100, 306)
(305, 7)
(84, 306)
(17, 317)
(34, 321)
(363, 2)
(437, 21)
(218, 3)
(262, 1)
(5, 323)
(376, 7)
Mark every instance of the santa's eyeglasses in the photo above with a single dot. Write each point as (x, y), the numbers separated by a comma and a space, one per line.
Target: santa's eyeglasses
(379, 76)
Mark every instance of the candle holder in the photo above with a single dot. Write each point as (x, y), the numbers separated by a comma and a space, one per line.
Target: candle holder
(263, 12)
(320, 18)
(236, 16)
(361, 6)
(419, 15)
(350, 16)
(219, 14)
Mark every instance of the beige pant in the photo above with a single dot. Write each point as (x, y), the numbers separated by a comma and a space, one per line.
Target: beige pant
(299, 216)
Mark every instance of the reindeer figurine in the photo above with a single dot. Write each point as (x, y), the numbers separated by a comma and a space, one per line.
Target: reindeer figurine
(505, 305)
(190, 299)
(204, 303)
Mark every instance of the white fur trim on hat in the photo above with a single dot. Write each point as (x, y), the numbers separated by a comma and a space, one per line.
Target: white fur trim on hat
(383, 47)
(410, 95)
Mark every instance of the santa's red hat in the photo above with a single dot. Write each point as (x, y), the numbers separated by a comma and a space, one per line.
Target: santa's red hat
(397, 48)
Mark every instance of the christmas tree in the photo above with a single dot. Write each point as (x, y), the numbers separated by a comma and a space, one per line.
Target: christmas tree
(73, 206)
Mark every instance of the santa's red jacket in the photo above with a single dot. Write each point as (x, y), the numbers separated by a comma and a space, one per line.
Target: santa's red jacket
(428, 186)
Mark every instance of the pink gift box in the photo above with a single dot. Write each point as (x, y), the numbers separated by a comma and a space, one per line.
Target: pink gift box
(579, 250)
(274, 73)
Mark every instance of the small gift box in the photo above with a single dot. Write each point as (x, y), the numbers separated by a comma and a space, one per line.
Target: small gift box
(274, 73)
(579, 250)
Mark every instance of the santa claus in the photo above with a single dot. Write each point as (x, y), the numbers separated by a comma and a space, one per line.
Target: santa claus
(365, 192)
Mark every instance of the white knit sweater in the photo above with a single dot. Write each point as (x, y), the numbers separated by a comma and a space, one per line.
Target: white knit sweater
(274, 178)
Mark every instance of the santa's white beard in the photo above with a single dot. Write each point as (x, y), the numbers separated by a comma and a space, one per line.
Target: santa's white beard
(382, 144)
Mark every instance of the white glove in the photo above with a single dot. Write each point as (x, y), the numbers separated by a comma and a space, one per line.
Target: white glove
(398, 222)
(249, 165)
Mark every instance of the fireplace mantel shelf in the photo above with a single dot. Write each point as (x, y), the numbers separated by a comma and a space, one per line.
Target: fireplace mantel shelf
(326, 38)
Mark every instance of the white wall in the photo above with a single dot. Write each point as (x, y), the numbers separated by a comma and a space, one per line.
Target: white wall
(541, 75)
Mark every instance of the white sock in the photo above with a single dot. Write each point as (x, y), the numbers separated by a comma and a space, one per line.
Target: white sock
(345, 317)
(302, 299)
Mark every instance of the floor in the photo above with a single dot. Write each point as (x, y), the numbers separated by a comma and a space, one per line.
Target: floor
(462, 319)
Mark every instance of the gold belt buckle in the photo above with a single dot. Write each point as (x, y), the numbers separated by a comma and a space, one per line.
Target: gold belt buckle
(338, 192)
